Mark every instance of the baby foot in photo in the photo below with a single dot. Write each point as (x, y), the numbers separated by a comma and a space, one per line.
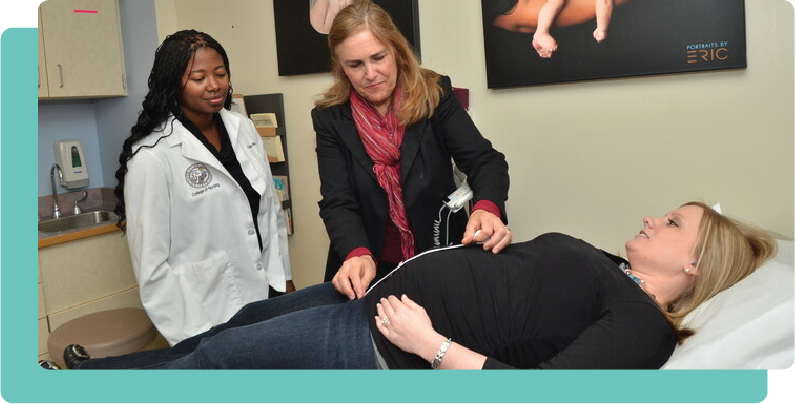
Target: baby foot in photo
(545, 45)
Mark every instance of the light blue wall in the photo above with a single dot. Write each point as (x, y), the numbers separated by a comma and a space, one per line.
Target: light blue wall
(67, 120)
(116, 116)
(103, 124)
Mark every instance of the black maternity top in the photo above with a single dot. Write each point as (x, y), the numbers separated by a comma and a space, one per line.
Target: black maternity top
(552, 302)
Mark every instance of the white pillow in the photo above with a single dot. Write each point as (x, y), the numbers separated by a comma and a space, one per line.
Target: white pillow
(748, 326)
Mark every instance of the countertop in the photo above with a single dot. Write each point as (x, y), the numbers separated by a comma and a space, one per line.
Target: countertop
(48, 239)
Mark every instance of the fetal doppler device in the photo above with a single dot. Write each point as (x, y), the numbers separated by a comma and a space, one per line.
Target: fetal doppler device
(453, 203)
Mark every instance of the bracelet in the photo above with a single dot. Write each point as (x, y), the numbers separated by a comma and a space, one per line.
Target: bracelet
(439, 355)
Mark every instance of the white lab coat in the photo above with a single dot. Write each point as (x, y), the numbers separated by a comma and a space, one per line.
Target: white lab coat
(189, 226)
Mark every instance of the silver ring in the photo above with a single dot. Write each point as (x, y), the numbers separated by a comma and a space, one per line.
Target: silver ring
(384, 320)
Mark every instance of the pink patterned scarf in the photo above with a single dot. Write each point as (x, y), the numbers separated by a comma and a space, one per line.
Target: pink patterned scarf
(382, 137)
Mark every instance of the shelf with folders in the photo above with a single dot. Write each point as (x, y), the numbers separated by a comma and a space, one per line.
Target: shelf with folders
(267, 112)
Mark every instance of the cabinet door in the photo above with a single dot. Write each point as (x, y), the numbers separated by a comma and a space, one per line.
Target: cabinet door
(43, 91)
(83, 48)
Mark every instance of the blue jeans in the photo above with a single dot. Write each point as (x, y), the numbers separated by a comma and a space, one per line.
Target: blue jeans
(314, 328)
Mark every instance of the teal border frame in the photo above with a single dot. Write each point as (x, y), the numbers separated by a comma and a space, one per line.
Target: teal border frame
(24, 381)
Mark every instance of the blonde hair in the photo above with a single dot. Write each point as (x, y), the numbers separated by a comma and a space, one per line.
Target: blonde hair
(420, 86)
(726, 251)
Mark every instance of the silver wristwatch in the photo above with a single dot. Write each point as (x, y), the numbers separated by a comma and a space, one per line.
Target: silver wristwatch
(439, 355)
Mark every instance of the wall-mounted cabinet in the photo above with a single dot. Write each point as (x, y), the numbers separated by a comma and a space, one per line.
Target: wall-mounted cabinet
(43, 87)
(80, 49)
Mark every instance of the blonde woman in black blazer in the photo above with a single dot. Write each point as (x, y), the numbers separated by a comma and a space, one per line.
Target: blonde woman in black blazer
(379, 80)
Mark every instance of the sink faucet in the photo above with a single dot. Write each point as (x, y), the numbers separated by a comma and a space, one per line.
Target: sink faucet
(76, 210)
(56, 211)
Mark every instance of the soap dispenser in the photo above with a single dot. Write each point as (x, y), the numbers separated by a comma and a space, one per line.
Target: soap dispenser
(70, 157)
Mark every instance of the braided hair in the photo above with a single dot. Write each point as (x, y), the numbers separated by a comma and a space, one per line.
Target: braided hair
(164, 97)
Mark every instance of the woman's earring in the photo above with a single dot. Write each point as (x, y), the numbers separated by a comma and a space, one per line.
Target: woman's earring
(687, 270)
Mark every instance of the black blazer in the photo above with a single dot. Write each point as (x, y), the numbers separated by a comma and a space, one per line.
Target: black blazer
(355, 208)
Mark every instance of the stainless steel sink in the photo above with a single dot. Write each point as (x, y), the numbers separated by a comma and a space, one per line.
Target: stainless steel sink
(77, 222)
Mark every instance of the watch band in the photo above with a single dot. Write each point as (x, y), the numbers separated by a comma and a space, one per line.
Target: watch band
(439, 355)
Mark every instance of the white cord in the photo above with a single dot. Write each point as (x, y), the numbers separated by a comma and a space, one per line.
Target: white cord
(447, 236)
(411, 259)
(436, 231)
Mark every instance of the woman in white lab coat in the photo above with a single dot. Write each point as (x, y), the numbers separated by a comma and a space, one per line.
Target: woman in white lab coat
(205, 228)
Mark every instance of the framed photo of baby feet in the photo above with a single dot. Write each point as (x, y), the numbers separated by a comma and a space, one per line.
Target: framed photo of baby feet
(539, 41)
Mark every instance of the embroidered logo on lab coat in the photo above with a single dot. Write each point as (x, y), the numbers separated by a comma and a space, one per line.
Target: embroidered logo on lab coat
(198, 176)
